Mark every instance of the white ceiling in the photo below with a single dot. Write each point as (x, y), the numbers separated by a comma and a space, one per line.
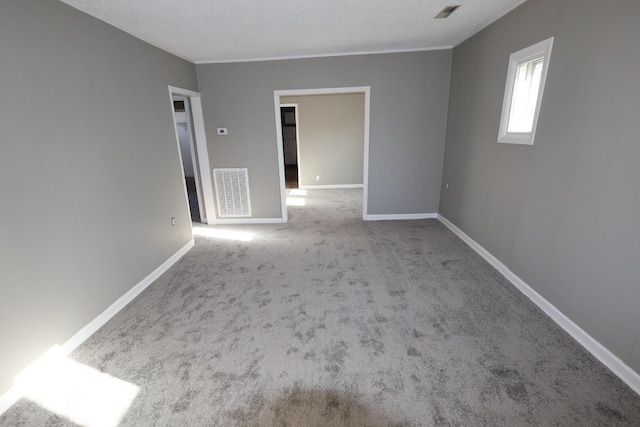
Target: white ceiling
(236, 30)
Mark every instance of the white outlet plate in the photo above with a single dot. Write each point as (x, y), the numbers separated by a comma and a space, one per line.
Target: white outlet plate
(222, 131)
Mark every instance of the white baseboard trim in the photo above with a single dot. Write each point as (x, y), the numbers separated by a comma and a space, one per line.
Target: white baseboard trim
(610, 360)
(12, 395)
(395, 217)
(121, 302)
(329, 187)
(237, 221)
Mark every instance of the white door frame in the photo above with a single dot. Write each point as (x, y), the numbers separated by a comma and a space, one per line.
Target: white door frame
(201, 150)
(193, 153)
(295, 105)
(366, 90)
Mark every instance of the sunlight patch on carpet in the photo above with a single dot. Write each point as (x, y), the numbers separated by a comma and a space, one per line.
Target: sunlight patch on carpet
(295, 201)
(75, 391)
(296, 197)
(242, 236)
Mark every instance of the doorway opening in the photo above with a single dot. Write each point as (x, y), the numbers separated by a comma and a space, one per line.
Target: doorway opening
(186, 108)
(289, 119)
(188, 155)
(308, 177)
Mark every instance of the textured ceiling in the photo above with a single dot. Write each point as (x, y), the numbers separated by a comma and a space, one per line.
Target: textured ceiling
(236, 30)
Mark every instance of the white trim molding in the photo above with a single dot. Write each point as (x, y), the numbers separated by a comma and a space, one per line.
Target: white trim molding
(366, 90)
(400, 217)
(184, 92)
(610, 360)
(329, 187)
(125, 299)
(12, 395)
(185, 118)
(202, 151)
(326, 55)
(522, 57)
(297, 116)
(280, 151)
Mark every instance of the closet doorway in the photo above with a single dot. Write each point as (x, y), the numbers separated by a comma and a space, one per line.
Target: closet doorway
(290, 146)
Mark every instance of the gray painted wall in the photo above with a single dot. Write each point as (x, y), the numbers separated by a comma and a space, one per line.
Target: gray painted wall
(561, 214)
(331, 129)
(409, 95)
(89, 172)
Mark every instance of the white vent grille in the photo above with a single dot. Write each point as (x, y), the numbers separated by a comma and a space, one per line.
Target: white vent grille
(232, 192)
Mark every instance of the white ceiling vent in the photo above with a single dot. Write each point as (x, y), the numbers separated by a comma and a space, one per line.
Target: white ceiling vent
(444, 13)
(232, 192)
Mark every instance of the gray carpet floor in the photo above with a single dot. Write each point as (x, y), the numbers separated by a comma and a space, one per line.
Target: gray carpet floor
(332, 321)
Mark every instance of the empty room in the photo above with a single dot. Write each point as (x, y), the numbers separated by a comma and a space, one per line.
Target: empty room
(329, 213)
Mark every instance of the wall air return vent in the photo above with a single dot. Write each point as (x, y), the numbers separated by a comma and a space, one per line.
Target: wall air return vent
(178, 106)
(232, 192)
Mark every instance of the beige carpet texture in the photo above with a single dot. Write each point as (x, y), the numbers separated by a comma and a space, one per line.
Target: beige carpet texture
(329, 320)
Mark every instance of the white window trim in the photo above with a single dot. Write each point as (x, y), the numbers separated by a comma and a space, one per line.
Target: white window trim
(527, 54)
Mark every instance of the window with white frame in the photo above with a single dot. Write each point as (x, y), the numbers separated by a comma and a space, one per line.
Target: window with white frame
(523, 93)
